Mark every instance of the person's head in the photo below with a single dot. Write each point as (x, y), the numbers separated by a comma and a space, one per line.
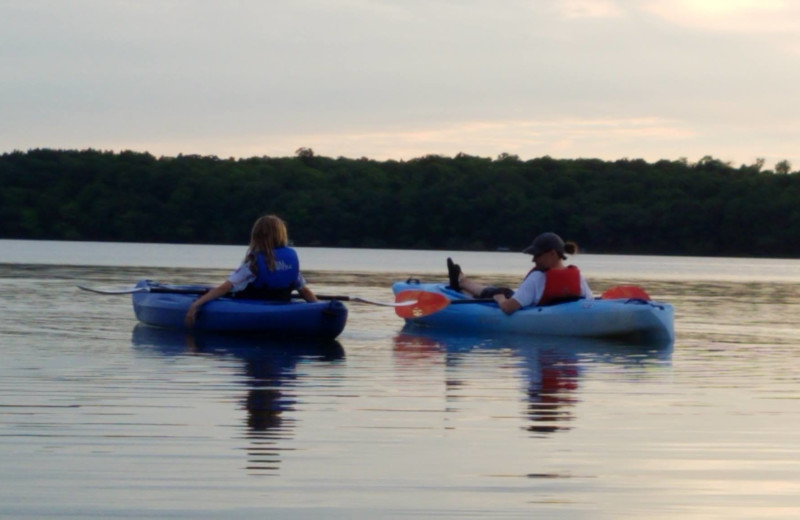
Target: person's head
(269, 232)
(548, 250)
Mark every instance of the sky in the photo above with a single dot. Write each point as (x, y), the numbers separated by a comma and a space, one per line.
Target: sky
(399, 79)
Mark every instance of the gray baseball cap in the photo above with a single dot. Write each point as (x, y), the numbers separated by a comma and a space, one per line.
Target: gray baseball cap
(544, 243)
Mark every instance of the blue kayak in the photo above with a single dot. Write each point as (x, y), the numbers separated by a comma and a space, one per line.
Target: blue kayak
(595, 318)
(166, 305)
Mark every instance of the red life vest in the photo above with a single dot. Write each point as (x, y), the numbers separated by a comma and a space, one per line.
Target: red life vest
(561, 285)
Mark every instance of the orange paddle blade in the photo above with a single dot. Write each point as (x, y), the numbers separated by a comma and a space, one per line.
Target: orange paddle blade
(427, 303)
(625, 291)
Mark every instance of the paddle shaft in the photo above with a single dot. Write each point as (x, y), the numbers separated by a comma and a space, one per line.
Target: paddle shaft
(132, 290)
(203, 290)
(336, 297)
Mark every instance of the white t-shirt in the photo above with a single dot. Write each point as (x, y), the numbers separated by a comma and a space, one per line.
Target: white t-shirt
(531, 289)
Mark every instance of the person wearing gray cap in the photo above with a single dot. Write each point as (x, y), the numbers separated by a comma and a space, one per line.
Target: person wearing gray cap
(549, 282)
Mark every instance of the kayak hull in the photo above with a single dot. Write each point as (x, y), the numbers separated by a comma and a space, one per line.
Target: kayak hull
(324, 320)
(622, 318)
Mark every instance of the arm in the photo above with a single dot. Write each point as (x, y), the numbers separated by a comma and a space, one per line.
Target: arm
(528, 293)
(507, 305)
(585, 289)
(220, 290)
(307, 294)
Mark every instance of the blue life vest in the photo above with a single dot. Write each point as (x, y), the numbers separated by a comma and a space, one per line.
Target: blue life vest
(277, 284)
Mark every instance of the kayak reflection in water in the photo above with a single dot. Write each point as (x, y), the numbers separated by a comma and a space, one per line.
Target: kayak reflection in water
(549, 282)
(270, 270)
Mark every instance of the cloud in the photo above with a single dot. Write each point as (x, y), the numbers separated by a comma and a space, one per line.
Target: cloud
(568, 137)
(736, 16)
(403, 78)
(589, 8)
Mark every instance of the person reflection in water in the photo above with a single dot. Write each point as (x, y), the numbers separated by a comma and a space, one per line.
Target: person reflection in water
(264, 409)
(271, 371)
(266, 424)
(552, 380)
(549, 376)
(266, 367)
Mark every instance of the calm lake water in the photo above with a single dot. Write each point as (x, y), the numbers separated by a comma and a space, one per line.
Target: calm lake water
(102, 418)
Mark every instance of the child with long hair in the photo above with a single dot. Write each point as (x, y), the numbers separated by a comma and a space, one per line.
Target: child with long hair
(270, 270)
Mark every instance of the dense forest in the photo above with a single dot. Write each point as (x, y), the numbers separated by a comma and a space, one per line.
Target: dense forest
(463, 202)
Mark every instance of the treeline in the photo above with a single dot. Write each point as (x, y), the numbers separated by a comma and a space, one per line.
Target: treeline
(465, 202)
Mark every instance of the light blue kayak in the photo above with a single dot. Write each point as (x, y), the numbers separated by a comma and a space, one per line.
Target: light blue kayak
(598, 318)
(166, 305)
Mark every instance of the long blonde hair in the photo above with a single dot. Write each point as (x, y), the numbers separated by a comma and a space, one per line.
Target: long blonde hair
(269, 232)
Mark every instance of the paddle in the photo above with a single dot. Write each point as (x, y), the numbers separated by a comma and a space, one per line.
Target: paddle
(152, 289)
(366, 300)
(422, 303)
(427, 302)
(203, 290)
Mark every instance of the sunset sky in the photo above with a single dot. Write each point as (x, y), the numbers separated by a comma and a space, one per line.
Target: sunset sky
(398, 79)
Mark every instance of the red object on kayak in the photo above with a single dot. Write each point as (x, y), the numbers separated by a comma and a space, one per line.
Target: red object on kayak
(625, 291)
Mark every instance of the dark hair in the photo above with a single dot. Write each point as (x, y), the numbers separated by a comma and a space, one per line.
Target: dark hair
(571, 247)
